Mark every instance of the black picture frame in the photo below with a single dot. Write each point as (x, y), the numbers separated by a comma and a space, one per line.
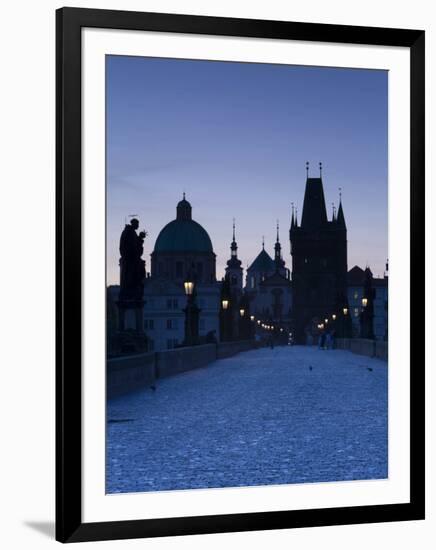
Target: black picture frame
(69, 525)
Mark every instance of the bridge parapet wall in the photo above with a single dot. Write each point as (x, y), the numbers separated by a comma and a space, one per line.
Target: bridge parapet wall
(361, 346)
(130, 373)
(227, 349)
(177, 360)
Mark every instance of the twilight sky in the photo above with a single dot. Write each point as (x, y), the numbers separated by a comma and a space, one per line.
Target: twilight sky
(235, 137)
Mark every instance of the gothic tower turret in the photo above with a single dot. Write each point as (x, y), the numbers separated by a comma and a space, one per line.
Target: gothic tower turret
(319, 260)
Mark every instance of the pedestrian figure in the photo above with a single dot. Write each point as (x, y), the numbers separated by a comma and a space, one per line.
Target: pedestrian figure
(322, 340)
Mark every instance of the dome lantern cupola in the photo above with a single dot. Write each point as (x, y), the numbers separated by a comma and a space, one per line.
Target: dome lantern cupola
(184, 210)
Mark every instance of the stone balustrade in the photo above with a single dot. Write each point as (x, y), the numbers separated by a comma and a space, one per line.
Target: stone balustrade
(130, 373)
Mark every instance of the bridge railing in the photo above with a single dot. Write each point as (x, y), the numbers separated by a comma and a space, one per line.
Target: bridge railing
(362, 346)
(130, 373)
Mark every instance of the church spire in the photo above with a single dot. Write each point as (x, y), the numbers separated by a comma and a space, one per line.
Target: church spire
(233, 264)
(341, 218)
(278, 251)
(234, 246)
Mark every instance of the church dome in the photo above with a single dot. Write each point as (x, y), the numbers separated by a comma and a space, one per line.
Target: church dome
(183, 234)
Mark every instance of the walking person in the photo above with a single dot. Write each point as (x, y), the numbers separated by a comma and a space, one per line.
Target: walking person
(321, 340)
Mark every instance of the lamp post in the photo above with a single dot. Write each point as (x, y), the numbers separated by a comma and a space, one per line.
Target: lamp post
(245, 319)
(191, 314)
(367, 314)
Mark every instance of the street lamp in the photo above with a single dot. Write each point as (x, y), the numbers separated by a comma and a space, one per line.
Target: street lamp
(326, 321)
(242, 312)
(191, 314)
(251, 317)
(189, 287)
(225, 304)
(334, 316)
(364, 302)
(258, 321)
(345, 310)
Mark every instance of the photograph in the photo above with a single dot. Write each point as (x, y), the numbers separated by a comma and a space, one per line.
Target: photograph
(247, 274)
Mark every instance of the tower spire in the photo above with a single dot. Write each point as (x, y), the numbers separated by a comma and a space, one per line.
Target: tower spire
(307, 169)
(263, 242)
(278, 251)
(320, 169)
(234, 246)
(340, 217)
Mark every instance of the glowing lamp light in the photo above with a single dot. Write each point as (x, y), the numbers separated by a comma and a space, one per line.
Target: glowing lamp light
(189, 287)
(258, 321)
(334, 317)
(364, 302)
(251, 317)
(345, 310)
(242, 312)
(225, 304)
(326, 321)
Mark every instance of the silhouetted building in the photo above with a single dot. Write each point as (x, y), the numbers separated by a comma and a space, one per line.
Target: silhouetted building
(268, 287)
(319, 261)
(356, 293)
(232, 293)
(183, 250)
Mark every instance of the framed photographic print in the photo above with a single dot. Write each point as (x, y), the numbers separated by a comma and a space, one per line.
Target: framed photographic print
(240, 274)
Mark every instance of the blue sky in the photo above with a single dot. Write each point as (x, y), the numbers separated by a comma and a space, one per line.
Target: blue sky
(235, 138)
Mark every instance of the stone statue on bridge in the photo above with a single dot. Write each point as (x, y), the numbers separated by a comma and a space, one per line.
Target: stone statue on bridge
(132, 266)
(131, 337)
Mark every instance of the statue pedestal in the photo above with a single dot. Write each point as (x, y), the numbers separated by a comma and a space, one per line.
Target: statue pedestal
(131, 337)
(131, 315)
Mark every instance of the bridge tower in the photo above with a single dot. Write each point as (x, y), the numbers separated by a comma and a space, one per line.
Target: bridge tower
(319, 260)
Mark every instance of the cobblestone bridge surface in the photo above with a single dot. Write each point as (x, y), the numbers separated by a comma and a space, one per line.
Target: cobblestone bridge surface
(264, 417)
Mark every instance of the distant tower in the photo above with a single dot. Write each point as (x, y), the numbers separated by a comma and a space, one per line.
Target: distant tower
(319, 260)
(234, 269)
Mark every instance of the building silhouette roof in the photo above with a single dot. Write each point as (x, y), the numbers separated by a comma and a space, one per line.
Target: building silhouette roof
(263, 263)
(314, 210)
